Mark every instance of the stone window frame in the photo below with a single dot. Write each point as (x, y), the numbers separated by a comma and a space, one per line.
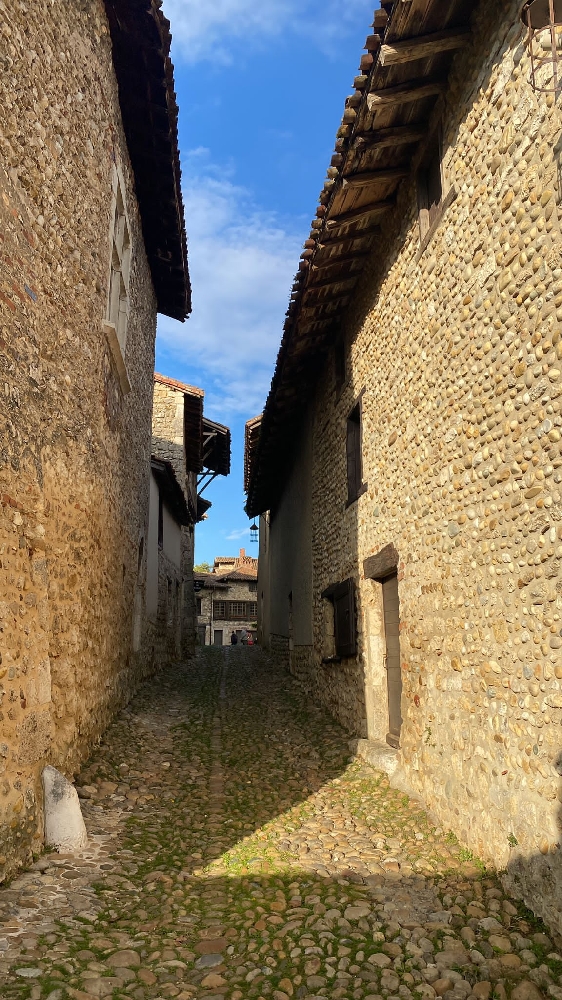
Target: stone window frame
(117, 309)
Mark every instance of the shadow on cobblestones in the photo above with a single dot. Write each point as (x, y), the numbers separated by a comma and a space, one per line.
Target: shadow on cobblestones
(237, 852)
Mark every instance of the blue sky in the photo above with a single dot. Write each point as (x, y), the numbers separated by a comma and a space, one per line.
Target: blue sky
(261, 88)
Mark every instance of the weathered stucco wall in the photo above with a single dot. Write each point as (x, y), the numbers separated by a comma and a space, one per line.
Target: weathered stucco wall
(459, 352)
(74, 452)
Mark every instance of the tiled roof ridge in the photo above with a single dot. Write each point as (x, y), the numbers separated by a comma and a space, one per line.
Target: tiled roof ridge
(191, 390)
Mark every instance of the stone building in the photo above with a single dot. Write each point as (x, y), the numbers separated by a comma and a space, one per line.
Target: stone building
(227, 599)
(188, 451)
(408, 464)
(225, 564)
(92, 245)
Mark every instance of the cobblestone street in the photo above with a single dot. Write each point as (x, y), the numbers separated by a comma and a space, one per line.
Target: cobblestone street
(237, 851)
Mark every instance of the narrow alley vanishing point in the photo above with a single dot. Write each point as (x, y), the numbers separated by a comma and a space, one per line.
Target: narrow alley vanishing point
(236, 850)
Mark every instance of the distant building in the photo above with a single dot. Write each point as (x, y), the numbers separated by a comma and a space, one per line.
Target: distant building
(188, 451)
(227, 599)
(224, 564)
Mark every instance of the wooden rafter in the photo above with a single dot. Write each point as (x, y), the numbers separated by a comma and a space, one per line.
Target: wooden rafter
(359, 234)
(361, 213)
(385, 138)
(366, 177)
(332, 281)
(423, 47)
(332, 261)
(404, 93)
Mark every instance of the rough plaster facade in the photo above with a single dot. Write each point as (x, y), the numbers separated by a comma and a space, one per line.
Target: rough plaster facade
(459, 352)
(74, 460)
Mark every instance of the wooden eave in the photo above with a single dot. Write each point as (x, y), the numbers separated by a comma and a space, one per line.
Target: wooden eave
(216, 450)
(141, 39)
(251, 438)
(401, 78)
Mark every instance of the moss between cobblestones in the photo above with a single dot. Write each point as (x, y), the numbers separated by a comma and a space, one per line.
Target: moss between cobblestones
(257, 838)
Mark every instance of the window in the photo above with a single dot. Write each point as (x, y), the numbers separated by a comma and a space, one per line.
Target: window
(355, 485)
(199, 603)
(339, 620)
(253, 588)
(339, 366)
(235, 610)
(118, 303)
(430, 187)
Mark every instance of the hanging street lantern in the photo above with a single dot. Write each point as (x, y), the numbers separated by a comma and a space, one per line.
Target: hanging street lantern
(543, 20)
(254, 531)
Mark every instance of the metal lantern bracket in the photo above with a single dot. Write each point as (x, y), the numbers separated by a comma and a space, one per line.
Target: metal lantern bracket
(543, 20)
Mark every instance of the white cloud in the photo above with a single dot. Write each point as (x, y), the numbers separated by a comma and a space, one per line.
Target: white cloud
(238, 533)
(242, 261)
(211, 29)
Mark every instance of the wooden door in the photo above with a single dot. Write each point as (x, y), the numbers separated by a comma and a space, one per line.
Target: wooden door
(391, 610)
(218, 637)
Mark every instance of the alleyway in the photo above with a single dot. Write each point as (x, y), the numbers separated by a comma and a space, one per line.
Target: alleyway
(236, 852)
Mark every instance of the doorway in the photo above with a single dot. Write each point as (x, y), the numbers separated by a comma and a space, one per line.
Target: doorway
(391, 616)
(218, 637)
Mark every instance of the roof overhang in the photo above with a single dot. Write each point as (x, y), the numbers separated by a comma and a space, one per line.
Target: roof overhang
(251, 439)
(203, 506)
(379, 142)
(216, 448)
(141, 39)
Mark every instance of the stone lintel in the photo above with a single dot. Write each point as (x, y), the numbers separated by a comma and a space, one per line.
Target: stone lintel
(380, 565)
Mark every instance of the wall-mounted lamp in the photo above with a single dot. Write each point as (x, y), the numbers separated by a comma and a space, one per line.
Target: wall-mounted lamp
(254, 531)
(543, 20)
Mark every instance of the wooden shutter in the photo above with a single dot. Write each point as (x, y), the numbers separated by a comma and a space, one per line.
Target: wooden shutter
(344, 618)
(434, 187)
(353, 450)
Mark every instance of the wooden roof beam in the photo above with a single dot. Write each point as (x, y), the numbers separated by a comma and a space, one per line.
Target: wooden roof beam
(423, 47)
(385, 138)
(416, 90)
(332, 281)
(359, 234)
(361, 213)
(334, 300)
(331, 261)
(366, 177)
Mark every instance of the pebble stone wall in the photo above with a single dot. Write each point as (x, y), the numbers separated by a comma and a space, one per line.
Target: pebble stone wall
(74, 452)
(459, 353)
